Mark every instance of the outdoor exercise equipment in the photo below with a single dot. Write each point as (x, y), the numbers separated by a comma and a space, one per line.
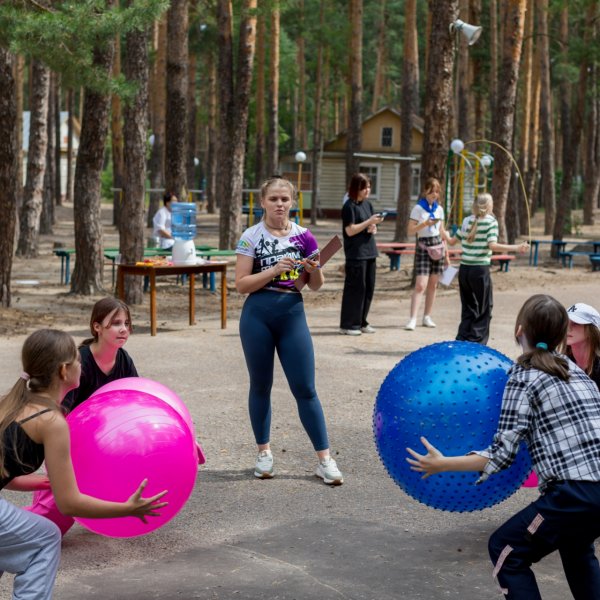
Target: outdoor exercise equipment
(154, 388)
(121, 437)
(450, 393)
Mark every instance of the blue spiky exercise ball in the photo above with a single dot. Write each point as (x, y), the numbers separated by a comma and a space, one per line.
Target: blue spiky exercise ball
(451, 393)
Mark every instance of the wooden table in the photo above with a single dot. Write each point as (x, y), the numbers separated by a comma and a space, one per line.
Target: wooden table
(153, 271)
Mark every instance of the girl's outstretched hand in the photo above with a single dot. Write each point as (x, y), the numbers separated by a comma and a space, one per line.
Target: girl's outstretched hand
(429, 463)
(145, 507)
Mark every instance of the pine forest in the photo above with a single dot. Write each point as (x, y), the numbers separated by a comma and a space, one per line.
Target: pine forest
(123, 99)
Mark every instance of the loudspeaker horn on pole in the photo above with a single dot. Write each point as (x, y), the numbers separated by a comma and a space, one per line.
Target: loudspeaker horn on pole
(471, 32)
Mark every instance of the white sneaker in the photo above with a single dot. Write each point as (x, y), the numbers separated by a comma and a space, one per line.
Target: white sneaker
(264, 465)
(410, 326)
(368, 329)
(328, 471)
(428, 322)
(350, 331)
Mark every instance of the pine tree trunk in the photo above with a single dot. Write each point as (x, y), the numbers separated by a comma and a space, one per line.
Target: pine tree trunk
(19, 70)
(524, 202)
(478, 92)
(47, 216)
(159, 95)
(494, 45)
(234, 101)
(355, 85)
(212, 197)
(547, 172)
(504, 114)
(9, 171)
(87, 276)
(192, 125)
(464, 85)
(592, 163)
(573, 111)
(301, 134)
(317, 161)
(438, 92)
(410, 87)
(131, 227)
(260, 140)
(70, 109)
(31, 209)
(273, 95)
(116, 137)
(177, 85)
(381, 58)
(57, 179)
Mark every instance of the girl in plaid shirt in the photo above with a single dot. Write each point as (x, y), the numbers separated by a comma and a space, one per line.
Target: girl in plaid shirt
(555, 407)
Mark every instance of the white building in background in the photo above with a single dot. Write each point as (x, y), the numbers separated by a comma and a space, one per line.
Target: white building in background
(64, 140)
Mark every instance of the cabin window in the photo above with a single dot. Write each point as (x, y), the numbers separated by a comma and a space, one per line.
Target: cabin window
(386, 137)
(372, 172)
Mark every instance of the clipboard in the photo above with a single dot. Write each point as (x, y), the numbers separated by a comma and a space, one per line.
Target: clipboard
(332, 246)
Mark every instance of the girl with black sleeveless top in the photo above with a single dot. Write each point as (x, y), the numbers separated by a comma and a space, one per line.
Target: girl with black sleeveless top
(33, 429)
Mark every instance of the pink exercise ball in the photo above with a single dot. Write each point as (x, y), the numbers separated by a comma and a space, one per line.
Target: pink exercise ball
(121, 437)
(141, 384)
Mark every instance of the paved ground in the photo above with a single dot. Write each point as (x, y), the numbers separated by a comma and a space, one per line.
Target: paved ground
(293, 537)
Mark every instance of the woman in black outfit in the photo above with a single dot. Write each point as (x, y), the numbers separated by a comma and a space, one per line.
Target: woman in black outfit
(359, 228)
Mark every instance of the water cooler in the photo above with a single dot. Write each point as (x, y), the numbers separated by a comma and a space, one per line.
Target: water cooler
(183, 230)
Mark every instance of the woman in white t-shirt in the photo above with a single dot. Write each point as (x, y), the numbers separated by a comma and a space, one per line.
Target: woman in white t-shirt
(427, 223)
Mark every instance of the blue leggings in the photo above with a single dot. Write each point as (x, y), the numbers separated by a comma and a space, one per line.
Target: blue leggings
(275, 321)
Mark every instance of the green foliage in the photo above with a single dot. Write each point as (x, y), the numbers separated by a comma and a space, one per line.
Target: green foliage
(65, 35)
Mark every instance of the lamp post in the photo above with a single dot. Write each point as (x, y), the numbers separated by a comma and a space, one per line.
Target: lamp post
(300, 158)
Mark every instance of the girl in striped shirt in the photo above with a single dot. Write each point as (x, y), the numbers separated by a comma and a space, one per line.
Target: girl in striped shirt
(479, 238)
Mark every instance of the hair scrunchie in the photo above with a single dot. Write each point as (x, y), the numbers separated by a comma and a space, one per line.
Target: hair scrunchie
(542, 345)
(25, 376)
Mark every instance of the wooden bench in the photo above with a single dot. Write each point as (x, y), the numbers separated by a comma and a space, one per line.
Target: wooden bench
(503, 259)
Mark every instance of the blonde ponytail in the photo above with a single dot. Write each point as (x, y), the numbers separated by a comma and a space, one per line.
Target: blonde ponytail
(482, 206)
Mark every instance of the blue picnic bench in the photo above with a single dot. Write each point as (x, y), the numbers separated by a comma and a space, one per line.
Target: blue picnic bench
(567, 257)
(563, 253)
(65, 263)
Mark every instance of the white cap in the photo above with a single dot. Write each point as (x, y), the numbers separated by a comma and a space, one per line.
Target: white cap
(584, 314)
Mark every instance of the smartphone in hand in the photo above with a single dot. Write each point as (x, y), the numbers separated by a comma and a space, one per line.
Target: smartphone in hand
(383, 214)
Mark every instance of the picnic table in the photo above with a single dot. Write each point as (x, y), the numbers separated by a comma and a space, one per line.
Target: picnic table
(567, 257)
(112, 254)
(153, 271)
(65, 263)
(561, 246)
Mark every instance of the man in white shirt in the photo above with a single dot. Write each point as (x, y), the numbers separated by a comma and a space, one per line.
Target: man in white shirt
(162, 222)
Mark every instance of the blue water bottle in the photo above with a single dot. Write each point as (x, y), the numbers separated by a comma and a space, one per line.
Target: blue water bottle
(183, 220)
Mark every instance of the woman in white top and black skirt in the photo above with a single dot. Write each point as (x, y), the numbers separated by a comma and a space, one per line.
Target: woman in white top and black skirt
(427, 223)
